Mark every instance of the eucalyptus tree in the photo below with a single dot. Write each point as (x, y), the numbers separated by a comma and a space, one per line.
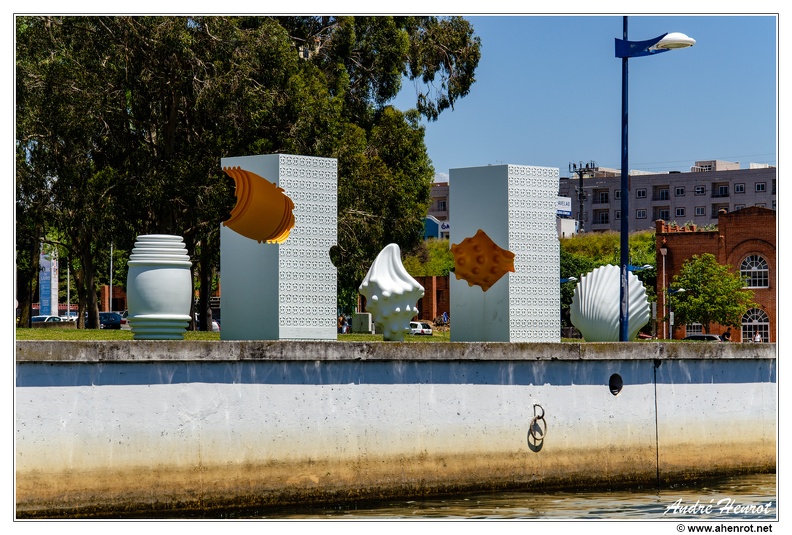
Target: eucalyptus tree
(121, 122)
(64, 111)
(385, 175)
(125, 118)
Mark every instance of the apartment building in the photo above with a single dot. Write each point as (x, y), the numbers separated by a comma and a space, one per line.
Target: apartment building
(439, 207)
(697, 196)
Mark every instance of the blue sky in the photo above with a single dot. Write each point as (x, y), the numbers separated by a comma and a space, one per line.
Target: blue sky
(548, 92)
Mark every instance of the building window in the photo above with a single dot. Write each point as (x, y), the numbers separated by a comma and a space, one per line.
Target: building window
(722, 191)
(739, 206)
(755, 321)
(760, 205)
(773, 205)
(664, 214)
(679, 212)
(693, 328)
(700, 190)
(739, 188)
(617, 195)
(716, 208)
(701, 210)
(660, 193)
(603, 197)
(761, 187)
(601, 218)
(640, 214)
(640, 193)
(679, 191)
(617, 215)
(754, 272)
(441, 206)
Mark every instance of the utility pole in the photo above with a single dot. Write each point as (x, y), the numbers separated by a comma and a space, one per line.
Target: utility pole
(580, 170)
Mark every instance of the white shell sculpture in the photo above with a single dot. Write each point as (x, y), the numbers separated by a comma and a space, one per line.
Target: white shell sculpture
(596, 305)
(391, 294)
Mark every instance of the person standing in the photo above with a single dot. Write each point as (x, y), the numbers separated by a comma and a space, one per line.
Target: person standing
(726, 337)
(757, 337)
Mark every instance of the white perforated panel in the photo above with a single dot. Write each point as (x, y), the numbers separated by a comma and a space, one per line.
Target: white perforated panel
(534, 289)
(307, 278)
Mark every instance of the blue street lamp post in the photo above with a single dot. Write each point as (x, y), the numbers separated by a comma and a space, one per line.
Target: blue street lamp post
(626, 49)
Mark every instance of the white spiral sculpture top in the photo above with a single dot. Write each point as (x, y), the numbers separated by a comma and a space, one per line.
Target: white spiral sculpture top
(391, 293)
(596, 305)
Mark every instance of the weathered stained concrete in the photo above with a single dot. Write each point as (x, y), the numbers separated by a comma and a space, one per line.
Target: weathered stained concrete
(148, 427)
(144, 350)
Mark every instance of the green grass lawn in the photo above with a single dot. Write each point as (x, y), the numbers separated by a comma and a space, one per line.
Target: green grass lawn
(96, 334)
(108, 334)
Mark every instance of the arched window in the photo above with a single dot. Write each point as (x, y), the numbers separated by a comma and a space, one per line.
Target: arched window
(755, 321)
(755, 272)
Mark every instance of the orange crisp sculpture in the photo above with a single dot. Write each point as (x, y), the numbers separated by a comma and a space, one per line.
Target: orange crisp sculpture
(479, 260)
(263, 212)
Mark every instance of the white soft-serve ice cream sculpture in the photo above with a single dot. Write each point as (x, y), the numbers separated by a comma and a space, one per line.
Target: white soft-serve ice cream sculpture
(391, 294)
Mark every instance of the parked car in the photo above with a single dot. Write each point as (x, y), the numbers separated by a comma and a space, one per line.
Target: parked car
(37, 319)
(215, 323)
(703, 338)
(419, 327)
(124, 319)
(109, 320)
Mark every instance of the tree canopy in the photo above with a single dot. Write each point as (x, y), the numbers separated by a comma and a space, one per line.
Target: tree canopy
(712, 293)
(121, 123)
(432, 258)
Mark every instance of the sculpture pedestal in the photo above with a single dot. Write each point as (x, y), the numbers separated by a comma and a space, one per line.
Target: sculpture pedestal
(284, 291)
(515, 206)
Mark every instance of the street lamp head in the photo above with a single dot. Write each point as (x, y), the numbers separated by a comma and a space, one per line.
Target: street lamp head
(663, 43)
(674, 40)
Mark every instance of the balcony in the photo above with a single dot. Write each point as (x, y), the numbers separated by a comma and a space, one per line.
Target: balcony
(660, 194)
(720, 191)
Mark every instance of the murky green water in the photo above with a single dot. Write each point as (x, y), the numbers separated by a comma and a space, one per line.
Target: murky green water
(742, 498)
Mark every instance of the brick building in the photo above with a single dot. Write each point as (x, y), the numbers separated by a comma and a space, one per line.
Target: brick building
(436, 299)
(745, 240)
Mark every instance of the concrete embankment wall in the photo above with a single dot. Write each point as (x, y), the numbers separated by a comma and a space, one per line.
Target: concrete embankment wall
(152, 427)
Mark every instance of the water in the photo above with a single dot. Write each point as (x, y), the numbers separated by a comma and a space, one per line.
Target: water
(740, 498)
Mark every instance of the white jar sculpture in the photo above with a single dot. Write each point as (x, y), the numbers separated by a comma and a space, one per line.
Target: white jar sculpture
(159, 288)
